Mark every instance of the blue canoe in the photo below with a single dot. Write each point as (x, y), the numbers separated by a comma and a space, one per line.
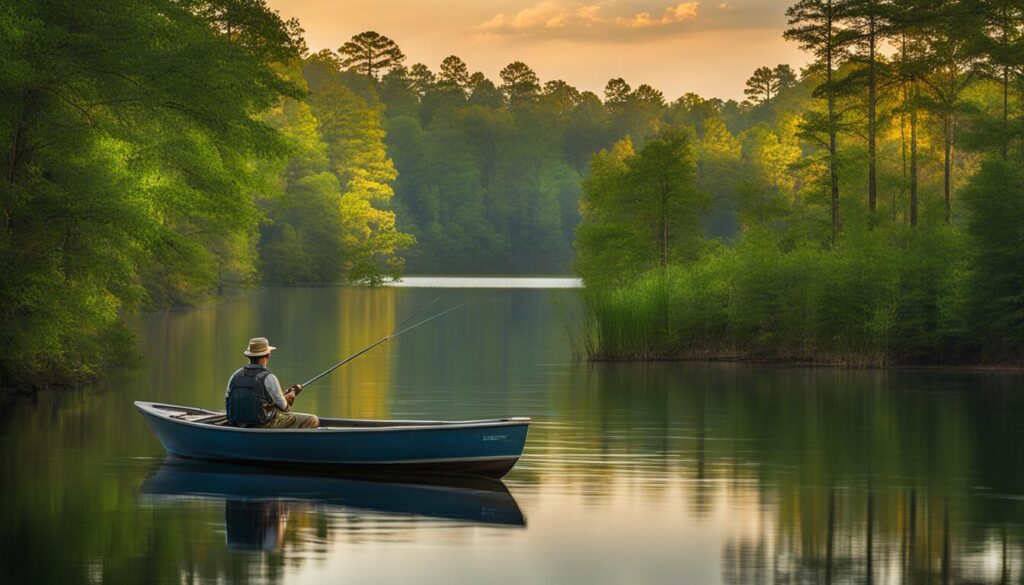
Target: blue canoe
(480, 447)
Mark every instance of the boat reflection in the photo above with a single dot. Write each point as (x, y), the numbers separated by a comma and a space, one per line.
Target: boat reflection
(260, 502)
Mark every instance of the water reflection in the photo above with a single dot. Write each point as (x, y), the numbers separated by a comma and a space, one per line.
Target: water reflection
(255, 525)
(468, 499)
(825, 476)
(658, 473)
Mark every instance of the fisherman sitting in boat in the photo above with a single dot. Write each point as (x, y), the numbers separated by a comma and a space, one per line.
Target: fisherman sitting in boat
(254, 397)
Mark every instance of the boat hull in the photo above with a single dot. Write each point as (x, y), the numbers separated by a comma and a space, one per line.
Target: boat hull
(487, 448)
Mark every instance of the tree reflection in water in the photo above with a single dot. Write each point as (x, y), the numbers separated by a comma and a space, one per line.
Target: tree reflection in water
(643, 473)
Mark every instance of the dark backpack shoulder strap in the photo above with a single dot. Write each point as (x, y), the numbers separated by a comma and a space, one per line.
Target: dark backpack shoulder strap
(262, 375)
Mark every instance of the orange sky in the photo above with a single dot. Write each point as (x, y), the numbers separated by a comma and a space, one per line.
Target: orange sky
(709, 48)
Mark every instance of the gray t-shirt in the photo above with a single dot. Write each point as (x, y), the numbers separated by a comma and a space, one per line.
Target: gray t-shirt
(273, 388)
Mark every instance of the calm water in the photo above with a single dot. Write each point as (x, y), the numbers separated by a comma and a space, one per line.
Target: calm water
(633, 474)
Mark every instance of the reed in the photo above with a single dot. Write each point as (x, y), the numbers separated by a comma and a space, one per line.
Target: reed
(861, 305)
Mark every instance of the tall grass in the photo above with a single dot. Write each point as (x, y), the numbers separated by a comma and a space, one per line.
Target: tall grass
(867, 302)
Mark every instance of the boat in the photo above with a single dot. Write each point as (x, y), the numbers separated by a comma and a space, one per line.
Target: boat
(474, 499)
(475, 447)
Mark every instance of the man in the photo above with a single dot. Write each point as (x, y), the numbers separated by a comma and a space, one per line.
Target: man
(254, 397)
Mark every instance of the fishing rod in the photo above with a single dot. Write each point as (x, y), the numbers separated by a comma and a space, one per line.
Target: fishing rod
(391, 335)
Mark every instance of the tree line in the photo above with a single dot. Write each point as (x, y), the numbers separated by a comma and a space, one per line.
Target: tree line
(877, 202)
(160, 152)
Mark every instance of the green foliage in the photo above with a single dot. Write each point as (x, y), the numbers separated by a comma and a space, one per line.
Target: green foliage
(859, 304)
(332, 221)
(129, 137)
(995, 200)
(370, 53)
(144, 147)
(640, 210)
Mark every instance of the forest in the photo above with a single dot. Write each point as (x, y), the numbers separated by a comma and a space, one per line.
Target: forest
(865, 210)
(873, 210)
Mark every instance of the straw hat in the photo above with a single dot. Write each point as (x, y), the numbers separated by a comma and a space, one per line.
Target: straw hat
(259, 347)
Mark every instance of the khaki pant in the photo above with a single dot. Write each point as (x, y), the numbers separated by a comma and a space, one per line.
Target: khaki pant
(289, 420)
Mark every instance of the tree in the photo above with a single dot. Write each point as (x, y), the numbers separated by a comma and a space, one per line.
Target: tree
(421, 79)
(519, 83)
(351, 128)
(396, 91)
(952, 36)
(483, 92)
(762, 85)
(454, 73)
(868, 21)
(128, 168)
(1003, 48)
(909, 20)
(814, 24)
(371, 53)
(640, 210)
(646, 94)
(785, 77)
(616, 92)
(995, 202)
(562, 96)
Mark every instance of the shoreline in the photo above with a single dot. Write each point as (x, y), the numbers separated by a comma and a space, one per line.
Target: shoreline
(965, 368)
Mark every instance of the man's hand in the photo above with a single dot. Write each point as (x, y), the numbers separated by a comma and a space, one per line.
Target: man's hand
(295, 389)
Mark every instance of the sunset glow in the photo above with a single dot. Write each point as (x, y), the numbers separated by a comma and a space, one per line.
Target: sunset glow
(709, 48)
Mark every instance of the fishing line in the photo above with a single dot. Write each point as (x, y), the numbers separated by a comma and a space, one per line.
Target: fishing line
(382, 340)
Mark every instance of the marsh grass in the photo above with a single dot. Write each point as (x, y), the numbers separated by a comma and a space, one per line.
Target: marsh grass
(862, 304)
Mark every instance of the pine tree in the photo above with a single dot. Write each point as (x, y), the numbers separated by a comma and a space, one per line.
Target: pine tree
(785, 77)
(616, 92)
(952, 34)
(454, 73)
(421, 79)
(909, 21)
(868, 20)
(1003, 49)
(762, 85)
(519, 83)
(815, 25)
(371, 54)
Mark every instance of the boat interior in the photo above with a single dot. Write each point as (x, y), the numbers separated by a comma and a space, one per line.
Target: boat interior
(197, 415)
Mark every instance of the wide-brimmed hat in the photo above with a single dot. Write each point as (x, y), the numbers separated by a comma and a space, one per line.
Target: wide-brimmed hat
(259, 347)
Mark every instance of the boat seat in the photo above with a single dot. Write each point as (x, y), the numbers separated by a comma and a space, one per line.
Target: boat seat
(209, 419)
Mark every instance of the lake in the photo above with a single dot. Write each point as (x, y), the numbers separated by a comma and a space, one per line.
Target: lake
(633, 473)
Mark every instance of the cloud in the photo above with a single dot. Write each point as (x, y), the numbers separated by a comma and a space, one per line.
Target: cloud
(678, 13)
(725, 6)
(546, 15)
(584, 20)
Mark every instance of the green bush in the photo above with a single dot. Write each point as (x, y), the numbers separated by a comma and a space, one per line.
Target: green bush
(878, 297)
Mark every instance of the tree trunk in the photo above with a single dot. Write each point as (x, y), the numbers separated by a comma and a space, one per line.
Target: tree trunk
(833, 166)
(903, 155)
(947, 127)
(913, 154)
(872, 150)
(903, 129)
(1006, 113)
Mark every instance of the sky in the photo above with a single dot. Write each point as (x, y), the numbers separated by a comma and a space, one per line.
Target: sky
(705, 47)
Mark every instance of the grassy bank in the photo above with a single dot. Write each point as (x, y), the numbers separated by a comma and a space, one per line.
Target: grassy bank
(879, 298)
